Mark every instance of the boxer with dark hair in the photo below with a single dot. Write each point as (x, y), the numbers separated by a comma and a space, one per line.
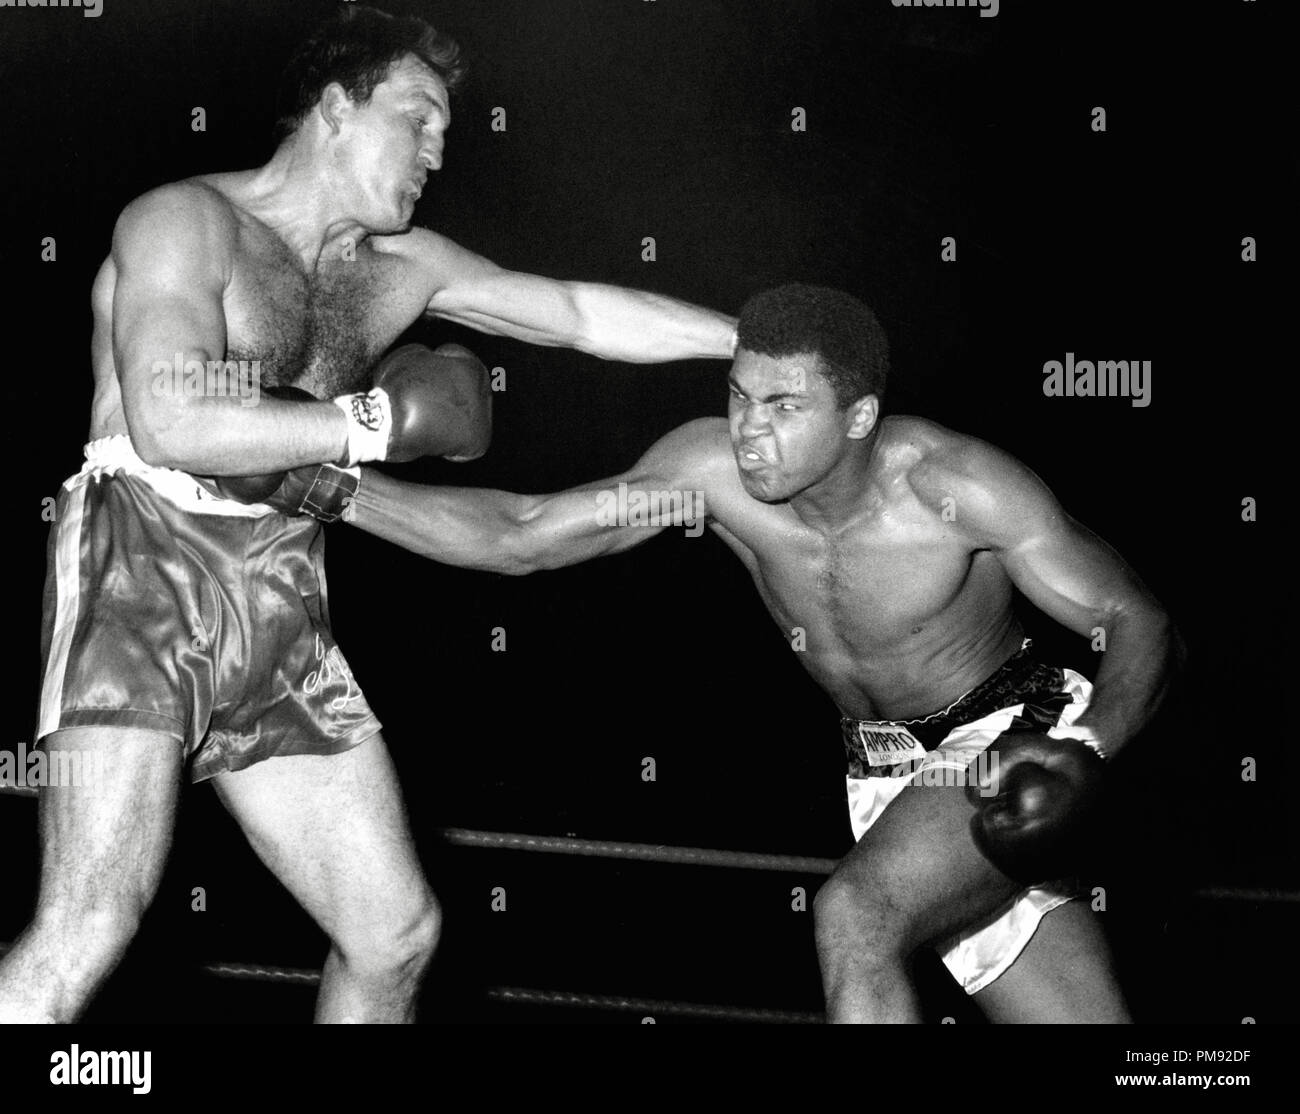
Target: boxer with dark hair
(896, 547)
(185, 620)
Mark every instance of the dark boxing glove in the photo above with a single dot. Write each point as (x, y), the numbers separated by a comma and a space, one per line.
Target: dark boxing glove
(323, 491)
(404, 415)
(1037, 824)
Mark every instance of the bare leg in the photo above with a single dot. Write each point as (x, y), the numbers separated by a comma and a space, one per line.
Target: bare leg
(916, 876)
(103, 847)
(1063, 975)
(333, 829)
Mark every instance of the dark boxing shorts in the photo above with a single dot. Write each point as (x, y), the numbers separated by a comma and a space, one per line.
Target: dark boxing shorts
(168, 608)
(945, 749)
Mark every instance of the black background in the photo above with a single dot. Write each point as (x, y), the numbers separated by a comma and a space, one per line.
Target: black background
(671, 119)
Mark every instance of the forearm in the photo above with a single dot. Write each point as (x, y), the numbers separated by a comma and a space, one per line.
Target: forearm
(233, 436)
(1142, 659)
(493, 531)
(638, 327)
(473, 528)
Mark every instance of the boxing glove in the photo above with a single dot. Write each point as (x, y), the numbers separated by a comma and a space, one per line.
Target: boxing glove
(1037, 823)
(322, 491)
(405, 414)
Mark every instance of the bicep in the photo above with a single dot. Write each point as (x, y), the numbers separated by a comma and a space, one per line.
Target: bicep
(524, 307)
(1061, 566)
(1072, 575)
(596, 519)
(664, 488)
(167, 296)
(473, 291)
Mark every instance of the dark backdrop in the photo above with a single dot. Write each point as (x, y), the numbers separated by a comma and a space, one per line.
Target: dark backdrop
(671, 119)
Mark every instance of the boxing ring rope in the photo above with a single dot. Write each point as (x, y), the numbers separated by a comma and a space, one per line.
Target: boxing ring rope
(636, 852)
(529, 996)
(640, 852)
(704, 856)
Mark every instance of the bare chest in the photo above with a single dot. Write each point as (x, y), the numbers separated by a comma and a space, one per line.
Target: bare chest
(321, 331)
(864, 592)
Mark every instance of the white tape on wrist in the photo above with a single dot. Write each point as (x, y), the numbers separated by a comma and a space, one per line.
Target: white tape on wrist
(370, 423)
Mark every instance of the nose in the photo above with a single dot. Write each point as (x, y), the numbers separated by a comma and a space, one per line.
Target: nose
(753, 422)
(431, 158)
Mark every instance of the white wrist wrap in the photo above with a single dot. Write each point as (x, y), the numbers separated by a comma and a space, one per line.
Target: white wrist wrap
(370, 423)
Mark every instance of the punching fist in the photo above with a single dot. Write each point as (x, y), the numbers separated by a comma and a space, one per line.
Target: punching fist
(423, 403)
(1037, 825)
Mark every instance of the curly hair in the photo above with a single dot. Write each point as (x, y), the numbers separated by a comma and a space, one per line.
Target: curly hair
(840, 330)
(357, 47)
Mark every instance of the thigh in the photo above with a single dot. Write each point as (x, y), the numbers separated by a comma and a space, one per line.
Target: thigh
(104, 841)
(333, 829)
(919, 867)
(1064, 974)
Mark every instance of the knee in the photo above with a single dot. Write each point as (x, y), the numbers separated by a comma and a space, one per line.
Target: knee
(92, 933)
(851, 915)
(401, 947)
(836, 906)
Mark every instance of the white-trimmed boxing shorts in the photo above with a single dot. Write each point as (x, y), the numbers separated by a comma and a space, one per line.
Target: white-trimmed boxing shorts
(171, 609)
(1024, 694)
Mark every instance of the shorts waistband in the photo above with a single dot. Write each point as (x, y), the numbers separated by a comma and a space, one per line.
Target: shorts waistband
(111, 455)
(1022, 676)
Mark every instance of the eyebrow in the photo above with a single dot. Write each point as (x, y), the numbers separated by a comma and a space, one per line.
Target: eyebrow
(770, 398)
(421, 95)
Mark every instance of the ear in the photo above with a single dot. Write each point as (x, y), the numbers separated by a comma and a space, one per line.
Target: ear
(864, 415)
(335, 106)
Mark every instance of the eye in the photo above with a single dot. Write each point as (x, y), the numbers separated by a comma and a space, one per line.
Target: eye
(788, 407)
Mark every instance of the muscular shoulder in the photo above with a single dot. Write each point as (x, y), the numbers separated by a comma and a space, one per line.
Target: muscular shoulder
(185, 216)
(433, 253)
(697, 454)
(970, 483)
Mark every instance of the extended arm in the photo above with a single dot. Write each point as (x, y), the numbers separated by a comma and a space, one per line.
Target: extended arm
(611, 322)
(498, 531)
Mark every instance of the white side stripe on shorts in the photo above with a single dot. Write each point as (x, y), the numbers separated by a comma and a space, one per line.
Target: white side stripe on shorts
(67, 580)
